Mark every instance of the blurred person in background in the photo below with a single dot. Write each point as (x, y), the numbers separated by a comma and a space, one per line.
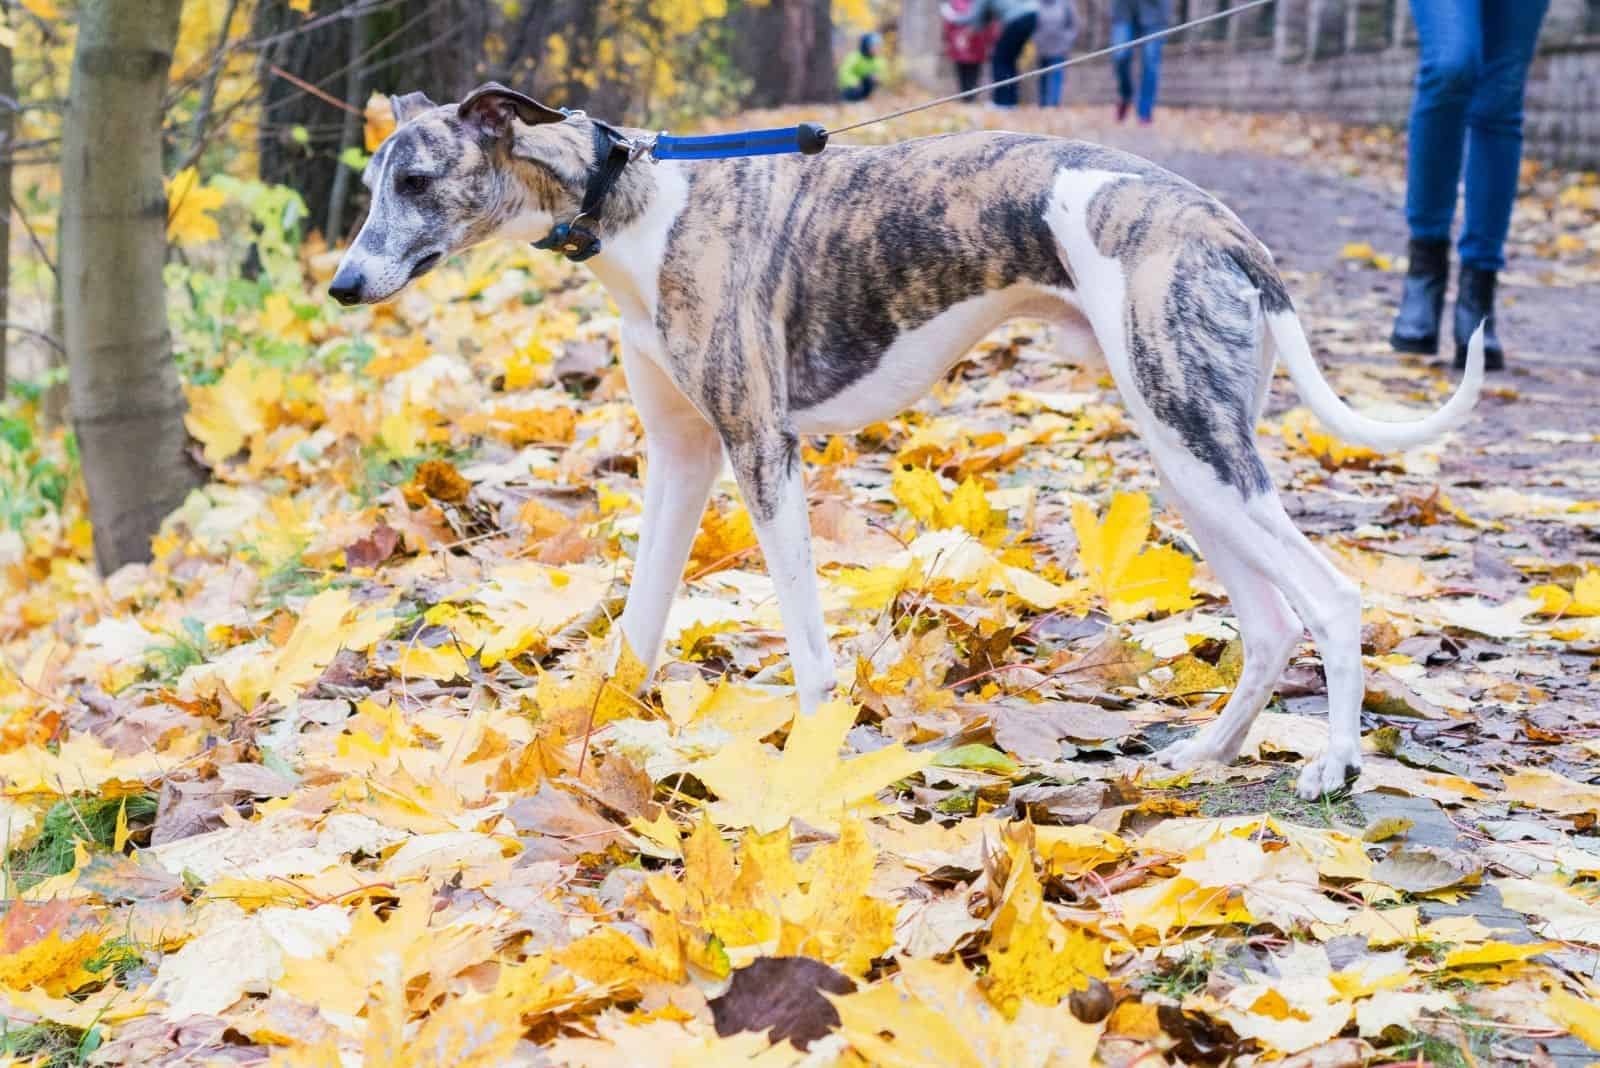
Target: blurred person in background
(1057, 32)
(1474, 57)
(968, 46)
(1017, 20)
(862, 70)
(1130, 20)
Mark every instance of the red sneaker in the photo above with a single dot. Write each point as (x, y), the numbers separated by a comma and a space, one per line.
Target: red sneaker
(1122, 109)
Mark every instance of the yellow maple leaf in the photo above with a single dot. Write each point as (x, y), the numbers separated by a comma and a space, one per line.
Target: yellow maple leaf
(330, 621)
(758, 788)
(611, 958)
(1552, 791)
(1581, 1016)
(1304, 434)
(822, 908)
(597, 694)
(188, 207)
(1496, 953)
(1032, 955)
(281, 319)
(45, 9)
(724, 537)
(442, 662)
(1134, 579)
(918, 491)
(1582, 600)
(836, 919)
(226, 414)
(379, 121)
(46, 946)
(405, 939)
(932, 1015)
(464, 1032)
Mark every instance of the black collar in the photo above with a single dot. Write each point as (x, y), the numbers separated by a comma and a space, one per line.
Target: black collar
(577, 240)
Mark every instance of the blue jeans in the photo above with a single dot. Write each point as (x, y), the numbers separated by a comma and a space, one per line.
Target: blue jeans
(1150, 65)
(1050, 85)
(1013, 39)
(1474, 65)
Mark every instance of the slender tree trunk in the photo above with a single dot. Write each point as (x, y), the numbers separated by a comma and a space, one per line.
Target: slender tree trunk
(8, 126)
(350, 133)
(126, 401)
(208, 95)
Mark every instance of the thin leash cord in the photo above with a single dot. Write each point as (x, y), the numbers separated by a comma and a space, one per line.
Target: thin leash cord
(1136, 42)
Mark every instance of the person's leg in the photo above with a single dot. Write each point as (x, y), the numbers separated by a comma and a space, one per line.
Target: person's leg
(1450, 35)
(967, 78)
(1494, 161)
(1450, 42)
(1149, 77)
(1122, 63)
(1050, 84)
(1494, 128)
(1013, 39)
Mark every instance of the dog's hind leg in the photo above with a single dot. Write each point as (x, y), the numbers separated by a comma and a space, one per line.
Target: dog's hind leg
(1178, 317)
(1268, 626)
(1274, 574)
(1330, 604)
(683, 455)
(766, 461)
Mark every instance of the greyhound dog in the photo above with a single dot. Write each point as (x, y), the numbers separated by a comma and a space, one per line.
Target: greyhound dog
(766, 298)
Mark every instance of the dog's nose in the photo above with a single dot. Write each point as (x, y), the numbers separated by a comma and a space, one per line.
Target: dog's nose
(346, 287)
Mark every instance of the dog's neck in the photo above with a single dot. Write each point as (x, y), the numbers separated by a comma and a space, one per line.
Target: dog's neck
(634, 217)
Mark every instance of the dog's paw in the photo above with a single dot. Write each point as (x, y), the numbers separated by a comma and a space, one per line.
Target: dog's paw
(814, 697)
(1328, 774)
(1194, 751)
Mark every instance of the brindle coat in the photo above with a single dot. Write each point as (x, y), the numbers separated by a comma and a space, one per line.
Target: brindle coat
(765, 297)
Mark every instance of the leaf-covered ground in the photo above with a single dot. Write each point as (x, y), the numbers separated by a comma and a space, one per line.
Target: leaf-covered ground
(342, 777)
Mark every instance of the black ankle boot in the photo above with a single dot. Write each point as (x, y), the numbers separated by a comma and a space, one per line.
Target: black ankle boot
(1474, 305)
(1416, 327)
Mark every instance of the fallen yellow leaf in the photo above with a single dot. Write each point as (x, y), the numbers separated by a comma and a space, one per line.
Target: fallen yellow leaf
(1135, 579)
(759, 788)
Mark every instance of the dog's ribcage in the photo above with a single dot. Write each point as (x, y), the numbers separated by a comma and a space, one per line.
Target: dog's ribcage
(828, 293)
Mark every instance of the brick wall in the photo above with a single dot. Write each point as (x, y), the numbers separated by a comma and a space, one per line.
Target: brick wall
(1352, 60)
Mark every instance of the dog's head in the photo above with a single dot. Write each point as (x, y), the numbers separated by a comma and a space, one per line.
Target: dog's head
(451, 176)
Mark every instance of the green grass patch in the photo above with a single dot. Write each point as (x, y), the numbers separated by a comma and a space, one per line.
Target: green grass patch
(49, 1045)
(1179, 978)
(1441, 1052)
(184, 650)
(1277, 797)
(91, 820)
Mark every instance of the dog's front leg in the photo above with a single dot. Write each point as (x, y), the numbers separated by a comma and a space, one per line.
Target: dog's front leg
(682, 455)
(766, 461)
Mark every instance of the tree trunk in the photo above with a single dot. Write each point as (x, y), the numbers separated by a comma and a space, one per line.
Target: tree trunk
(125, 398)
(350, 135)
(786, 47)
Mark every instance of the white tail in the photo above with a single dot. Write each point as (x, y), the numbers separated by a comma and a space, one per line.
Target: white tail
(1289, 338)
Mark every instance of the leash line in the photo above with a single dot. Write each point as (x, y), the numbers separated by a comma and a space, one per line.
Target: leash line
(1064, 64)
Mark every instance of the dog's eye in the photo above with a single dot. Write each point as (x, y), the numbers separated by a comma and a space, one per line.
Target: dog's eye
(413, 184)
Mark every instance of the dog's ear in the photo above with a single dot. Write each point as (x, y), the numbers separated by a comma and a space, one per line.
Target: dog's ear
(408, 107)
(491, 107)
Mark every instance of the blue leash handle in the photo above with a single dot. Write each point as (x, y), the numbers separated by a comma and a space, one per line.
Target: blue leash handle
(807, 138)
